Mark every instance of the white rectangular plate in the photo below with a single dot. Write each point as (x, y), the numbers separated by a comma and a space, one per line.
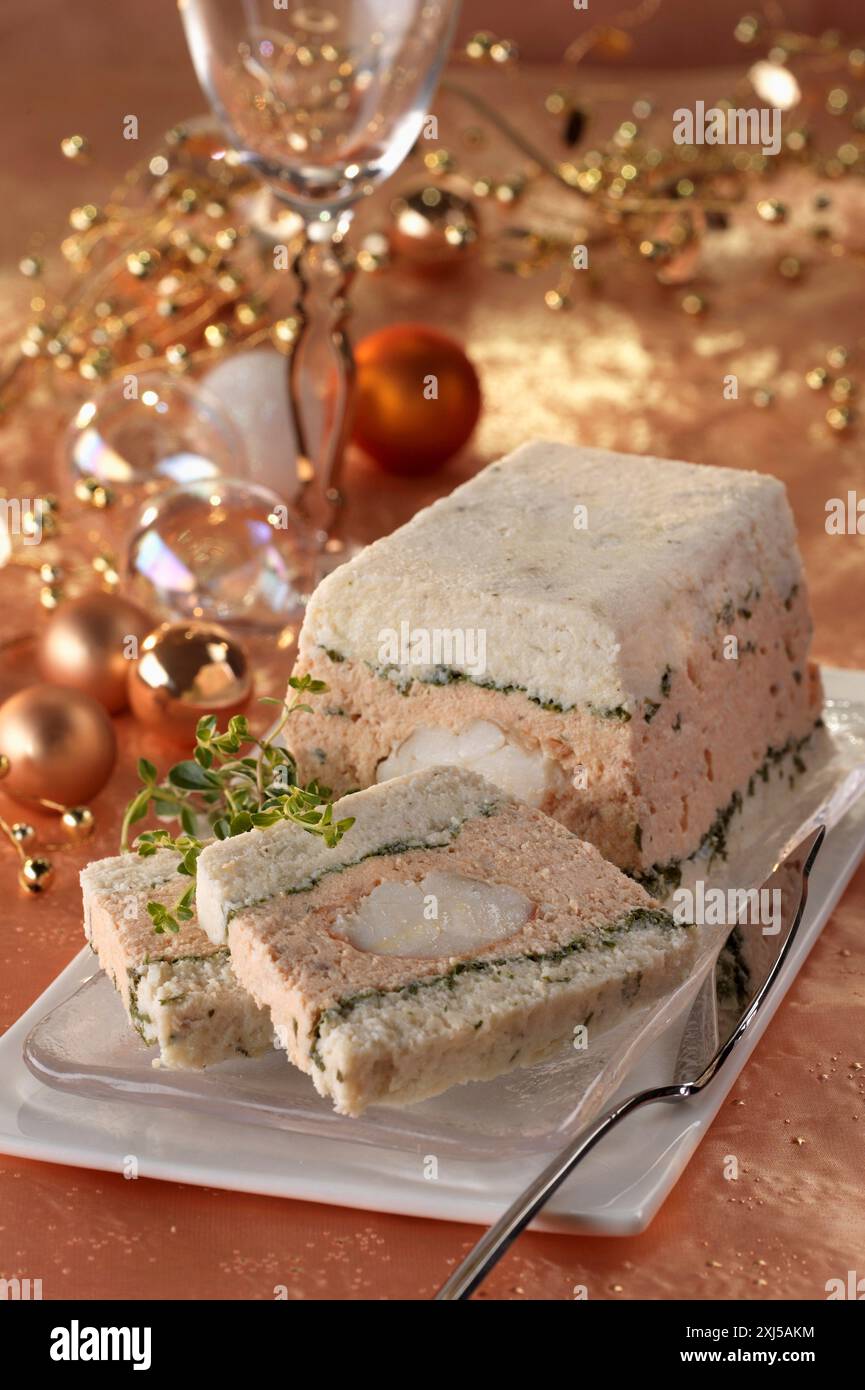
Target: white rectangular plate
(617, 1191)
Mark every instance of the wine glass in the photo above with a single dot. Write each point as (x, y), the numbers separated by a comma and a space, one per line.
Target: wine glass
(323, 102)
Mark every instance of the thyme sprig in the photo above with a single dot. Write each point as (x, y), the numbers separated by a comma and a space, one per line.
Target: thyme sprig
(233, 782)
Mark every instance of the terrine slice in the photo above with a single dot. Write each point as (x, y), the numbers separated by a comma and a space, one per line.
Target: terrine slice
(620, 641)
(179, 990)
(452, 935)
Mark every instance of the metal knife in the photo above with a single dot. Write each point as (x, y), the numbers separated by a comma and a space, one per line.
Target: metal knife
(700, 1059)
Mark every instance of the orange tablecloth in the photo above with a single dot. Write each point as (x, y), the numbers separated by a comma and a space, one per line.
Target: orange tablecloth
(623, 369)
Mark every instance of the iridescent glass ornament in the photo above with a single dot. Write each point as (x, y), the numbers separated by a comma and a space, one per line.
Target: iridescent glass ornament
(224, 550)
(153, 429)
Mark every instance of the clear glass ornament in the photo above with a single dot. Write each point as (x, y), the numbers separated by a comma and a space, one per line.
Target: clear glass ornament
(153, 430)
(223, 549)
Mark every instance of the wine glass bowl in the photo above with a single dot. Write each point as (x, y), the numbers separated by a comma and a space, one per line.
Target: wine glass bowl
(323, 102)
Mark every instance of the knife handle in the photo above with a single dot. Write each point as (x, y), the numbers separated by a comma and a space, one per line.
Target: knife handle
(490, 1248)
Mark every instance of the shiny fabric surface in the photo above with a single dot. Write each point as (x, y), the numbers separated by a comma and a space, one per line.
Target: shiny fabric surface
(626, 369)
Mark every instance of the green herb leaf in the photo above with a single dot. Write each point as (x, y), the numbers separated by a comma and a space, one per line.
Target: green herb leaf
(222, 790)
(189, 776)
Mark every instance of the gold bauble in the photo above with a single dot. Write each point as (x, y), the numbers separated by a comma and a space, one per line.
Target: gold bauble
(22, 832)
(60, 745)
(87, 646)
(186, 670)
(433, 228)
(78, 822)
(35, 875)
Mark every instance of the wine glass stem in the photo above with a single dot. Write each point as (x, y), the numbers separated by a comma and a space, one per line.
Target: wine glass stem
(321, 371)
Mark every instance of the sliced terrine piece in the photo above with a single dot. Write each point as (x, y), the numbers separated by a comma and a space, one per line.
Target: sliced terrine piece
(452, 935)
(179, 989)
(620, 641)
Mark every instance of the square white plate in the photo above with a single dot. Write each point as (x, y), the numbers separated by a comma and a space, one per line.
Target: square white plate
(617, 1191)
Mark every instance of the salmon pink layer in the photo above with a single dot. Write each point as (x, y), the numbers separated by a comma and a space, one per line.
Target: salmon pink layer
(621, 642)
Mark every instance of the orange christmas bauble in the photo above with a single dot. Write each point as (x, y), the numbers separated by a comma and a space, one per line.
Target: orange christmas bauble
(418, 398)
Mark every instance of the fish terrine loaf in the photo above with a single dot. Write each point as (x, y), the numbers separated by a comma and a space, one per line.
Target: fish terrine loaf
(179, 990)
(619, 641)
(451, 935)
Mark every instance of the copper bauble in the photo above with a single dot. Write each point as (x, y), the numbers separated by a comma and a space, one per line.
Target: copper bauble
(90, 643)
(186, 670)
(418, 398)
(60, 745)
(433, 229)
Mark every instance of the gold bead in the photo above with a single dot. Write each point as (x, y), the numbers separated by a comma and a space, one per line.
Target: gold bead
(555, 300)
(226, 238)
(50, 574)
(438, 160)
(78, 822)
(229, 282)
(31, 266)
(837, 357)
(50, 595)
(177, 355)
(83, 218)
(50, 513)
(216, 335)
(817, 378)
(508, 192)
(840, 417)
(479, 46)
(843, 389)
(503, 51)
(95, 365)
(747, 29)
(93, 493)
(142, 263)
(693, 304)
(771, 210)
(22, 832)
(75, 147)
(35, 875)
(285, 331)
(790, 267)
(196, 253)
(373, 253)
